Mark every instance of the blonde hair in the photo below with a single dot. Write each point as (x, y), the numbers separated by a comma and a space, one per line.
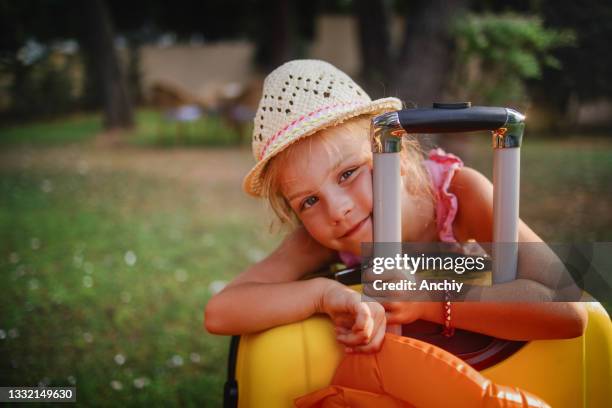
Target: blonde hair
(411, 156)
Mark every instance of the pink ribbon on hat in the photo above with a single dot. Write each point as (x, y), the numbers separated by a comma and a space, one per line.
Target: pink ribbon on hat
(297, 121)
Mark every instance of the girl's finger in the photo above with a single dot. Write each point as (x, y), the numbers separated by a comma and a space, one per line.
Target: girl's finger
(358, 315)
(362, 317)
(345, 321)
(375, 344)
(352, 339)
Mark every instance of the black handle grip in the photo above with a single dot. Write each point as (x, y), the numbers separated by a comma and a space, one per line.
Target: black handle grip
(444, 118)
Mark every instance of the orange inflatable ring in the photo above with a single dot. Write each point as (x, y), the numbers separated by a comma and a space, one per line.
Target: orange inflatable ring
(410, 373)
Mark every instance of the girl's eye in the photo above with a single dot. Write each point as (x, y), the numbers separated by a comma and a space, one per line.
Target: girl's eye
(309, 202)
(347, 174)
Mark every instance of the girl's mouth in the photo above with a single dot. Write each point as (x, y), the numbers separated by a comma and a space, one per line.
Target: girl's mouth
(357, 228)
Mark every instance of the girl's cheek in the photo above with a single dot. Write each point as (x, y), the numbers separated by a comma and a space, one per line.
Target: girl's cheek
(364, 189)
(318, 229)
(310, 224)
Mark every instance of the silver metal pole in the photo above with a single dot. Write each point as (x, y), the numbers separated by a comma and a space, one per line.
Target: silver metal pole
(506, 190)
(387, 198)
(386, 140)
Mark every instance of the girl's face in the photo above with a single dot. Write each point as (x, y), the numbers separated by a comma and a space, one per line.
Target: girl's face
(328, 183)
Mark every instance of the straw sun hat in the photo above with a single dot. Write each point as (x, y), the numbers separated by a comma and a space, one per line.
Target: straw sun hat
(300, 98)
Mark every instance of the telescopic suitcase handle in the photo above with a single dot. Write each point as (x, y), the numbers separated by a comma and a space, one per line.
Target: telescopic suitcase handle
(452, 117)
(507, 126)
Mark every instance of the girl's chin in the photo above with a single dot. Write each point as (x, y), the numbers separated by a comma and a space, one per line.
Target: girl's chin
(350, 247)
(355, 248)
(366, 235)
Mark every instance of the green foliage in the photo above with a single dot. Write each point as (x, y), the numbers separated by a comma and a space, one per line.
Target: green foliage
(504, 50)
(38, 82)
(586, 67)
(153, 128)
(51, 132)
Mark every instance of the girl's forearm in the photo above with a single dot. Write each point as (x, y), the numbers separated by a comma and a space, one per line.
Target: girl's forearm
(253, 306)
(513, 321)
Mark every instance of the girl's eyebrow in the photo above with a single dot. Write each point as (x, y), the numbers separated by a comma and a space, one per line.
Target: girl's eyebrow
(298, 194)
(339, 162)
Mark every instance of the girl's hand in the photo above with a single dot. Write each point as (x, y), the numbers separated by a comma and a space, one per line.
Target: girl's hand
(360, 326)
(403, 312)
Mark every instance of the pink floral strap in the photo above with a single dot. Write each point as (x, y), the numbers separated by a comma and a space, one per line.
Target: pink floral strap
(442, 167)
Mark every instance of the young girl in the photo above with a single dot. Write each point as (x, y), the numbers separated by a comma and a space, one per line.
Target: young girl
(314, 165)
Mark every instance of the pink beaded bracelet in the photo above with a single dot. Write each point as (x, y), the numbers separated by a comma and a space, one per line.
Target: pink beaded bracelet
(448, 330)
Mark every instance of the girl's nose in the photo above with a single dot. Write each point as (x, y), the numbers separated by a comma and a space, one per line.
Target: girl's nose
(340, 208)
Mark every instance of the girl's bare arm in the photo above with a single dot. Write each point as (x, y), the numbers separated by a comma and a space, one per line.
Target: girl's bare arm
(538, 275)
(536, 261)
(506, 320)
(269, 292)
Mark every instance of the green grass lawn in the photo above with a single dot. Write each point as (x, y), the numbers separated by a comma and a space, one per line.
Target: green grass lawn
(566, 184)
(53, 132)
(152, 129)
(105, 278)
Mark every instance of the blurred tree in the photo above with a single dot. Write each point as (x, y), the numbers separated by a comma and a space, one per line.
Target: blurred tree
(586, 67)
(497, 54)
(281, 30)
(37, 83)
(104, 63)
(374, 17)
(276, 35)
(135, 23)
(418, 71)
(422, 68)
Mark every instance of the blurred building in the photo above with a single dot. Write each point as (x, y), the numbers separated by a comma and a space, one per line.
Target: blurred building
(209, 73)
